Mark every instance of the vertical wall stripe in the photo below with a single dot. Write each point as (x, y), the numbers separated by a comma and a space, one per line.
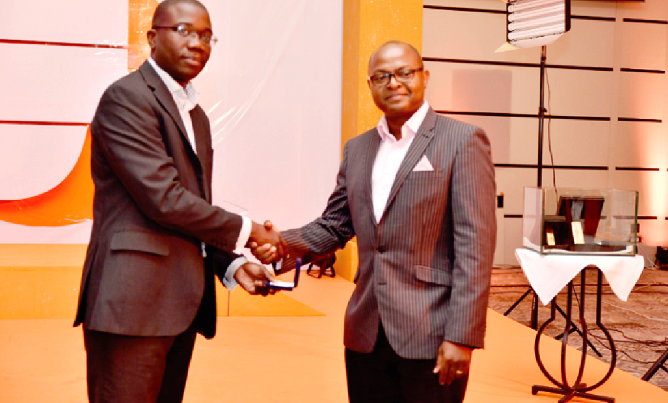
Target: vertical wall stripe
(368, 24)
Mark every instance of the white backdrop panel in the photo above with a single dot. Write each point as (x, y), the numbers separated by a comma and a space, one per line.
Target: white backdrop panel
(35, 159)
(649, 10)
(512, 240)
(588, 43)
(470, 36)
(476, 88)
(56, 83)
(641, 95)
(579, 92)
(651, 186)
(653, 233)
(273, 93)
(640, 144)
(594, 8)
(574, 140)
(272, 89)
(71, 21)
(479, 4)
(69, 234)
(650, 35)
(511, 182)
(575, 178)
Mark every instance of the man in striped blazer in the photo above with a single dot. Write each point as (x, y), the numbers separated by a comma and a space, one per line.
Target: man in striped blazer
(418, 192)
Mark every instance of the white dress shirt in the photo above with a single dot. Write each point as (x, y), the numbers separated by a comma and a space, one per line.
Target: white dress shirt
(391, 153)
(186, 100)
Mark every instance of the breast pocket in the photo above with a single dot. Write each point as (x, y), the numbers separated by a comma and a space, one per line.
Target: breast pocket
(425, 186)
(422, 200)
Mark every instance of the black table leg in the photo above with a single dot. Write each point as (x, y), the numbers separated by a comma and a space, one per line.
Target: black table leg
(577, 388)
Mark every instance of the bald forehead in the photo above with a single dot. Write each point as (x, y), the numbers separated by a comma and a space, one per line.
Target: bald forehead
(393, 51)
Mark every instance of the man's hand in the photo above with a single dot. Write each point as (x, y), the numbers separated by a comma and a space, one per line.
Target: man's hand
(266, 244)
(265, 253)
(253, 278)
(453, 361)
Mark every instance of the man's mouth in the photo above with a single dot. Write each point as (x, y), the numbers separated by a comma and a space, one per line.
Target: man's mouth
(393, 97)
(196, 61)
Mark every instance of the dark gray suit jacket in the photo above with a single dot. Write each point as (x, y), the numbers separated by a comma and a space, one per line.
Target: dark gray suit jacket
(144, 273)
(424, 269)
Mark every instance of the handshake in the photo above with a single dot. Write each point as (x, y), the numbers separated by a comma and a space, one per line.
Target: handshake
(266, 243)
(267, 246)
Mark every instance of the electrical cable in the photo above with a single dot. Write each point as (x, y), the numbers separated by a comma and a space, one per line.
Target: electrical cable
(549, 131)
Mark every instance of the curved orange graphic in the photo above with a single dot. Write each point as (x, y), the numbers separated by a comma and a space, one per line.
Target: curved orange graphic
(70, 202)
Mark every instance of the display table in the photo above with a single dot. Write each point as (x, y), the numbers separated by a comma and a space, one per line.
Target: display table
(548, 274)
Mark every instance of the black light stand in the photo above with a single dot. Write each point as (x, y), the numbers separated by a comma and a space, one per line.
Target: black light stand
(539, 181)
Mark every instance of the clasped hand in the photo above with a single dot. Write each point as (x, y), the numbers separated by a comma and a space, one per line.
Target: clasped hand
(266, 243)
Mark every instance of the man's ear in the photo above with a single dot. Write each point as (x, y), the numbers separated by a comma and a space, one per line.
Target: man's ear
(150, 36)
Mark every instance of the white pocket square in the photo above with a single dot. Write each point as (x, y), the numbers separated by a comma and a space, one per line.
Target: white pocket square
(423, 165)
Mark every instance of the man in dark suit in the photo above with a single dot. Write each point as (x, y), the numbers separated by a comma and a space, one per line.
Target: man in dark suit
(418, 192)
(148, 281)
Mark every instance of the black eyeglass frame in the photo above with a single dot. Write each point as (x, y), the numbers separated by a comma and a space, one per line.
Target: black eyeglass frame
(401, 75)
(206, 36)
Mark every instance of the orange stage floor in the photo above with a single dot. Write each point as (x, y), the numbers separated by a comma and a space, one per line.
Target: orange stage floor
(285, 359)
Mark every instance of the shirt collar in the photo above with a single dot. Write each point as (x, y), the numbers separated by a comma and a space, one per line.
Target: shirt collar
(186, 98)
(409, 129)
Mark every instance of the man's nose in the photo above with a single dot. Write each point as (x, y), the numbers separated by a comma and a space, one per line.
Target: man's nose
(195, 41)
(393, 82)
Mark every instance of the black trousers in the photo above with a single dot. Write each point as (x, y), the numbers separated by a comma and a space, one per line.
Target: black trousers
(132, 369)
(383, 377)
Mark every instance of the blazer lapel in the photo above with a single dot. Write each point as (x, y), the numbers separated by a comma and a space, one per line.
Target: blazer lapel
(163, 96)
(422, 139)
(372, 150)
(165, 99)
(203, 148)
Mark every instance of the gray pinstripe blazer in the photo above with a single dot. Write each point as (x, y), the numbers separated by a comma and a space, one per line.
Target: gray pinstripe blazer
(424, 269)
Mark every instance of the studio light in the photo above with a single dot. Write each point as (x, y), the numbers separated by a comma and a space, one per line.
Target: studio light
(537, 22)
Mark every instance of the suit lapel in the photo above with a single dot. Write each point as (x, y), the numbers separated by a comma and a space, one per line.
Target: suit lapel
(165, 99)
(163, 96)
(372, 150)
(203, 148)
(422, 139)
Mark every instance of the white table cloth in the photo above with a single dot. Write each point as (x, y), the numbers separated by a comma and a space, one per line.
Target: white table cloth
(548, 274)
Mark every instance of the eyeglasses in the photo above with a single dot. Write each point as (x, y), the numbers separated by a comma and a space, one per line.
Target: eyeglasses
(186, 31)
(403, 76)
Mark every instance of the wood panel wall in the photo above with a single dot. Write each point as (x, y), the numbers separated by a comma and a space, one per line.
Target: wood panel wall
(605, 96)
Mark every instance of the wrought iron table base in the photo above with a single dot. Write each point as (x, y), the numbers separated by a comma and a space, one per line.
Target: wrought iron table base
(570, 395)
(534, 316)
(577, 389)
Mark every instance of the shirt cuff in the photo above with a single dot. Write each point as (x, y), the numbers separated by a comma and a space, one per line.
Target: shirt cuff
(229, 281)
(244, 234)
